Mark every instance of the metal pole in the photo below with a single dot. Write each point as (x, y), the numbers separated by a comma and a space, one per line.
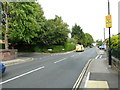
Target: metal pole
(104, 34)
(110, 60)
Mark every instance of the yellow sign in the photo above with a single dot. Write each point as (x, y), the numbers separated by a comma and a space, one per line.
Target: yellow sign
(108, 21)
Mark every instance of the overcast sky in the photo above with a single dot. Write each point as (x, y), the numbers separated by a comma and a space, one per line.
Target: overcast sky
(89, 14)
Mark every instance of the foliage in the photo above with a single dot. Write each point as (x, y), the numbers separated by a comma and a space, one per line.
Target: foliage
(78, 34)
(30, 31)
(99, 42)
(55, 32)
(71, 40)
(115, 45)
(2, 46)
(82, 38)
(88, 40)
(25, 21)
(115, 41)
(44, 48)
(115, 52)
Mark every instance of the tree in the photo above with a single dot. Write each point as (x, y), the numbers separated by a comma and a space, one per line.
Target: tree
(99, 42)
(26, 20)
(115, 41)
(88, 39)
(78, 34)
(55, 32)
(5, 16)
(71, 40)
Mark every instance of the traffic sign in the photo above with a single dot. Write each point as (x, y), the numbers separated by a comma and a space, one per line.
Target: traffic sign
(108, 21)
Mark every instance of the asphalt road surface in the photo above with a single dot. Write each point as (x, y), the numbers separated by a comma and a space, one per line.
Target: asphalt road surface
(48, 71)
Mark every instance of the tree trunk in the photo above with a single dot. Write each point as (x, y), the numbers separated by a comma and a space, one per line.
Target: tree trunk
(6, 35)
(6, 31)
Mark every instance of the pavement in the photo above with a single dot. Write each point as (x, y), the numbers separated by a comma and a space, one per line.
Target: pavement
(17, 61)
(100, 75)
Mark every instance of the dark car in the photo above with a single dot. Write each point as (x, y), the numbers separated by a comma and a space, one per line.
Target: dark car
(2, 68)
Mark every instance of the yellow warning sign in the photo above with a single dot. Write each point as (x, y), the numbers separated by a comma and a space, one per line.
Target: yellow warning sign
(108, 21)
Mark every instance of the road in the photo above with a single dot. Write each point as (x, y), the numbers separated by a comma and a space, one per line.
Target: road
(48, 71)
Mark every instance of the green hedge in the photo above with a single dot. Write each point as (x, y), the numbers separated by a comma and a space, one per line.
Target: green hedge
(115, 52)
(43, 48)
(2, 46)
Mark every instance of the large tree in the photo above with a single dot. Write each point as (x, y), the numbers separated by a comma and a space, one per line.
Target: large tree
(78, 34)
(88, 39)
(55, 31)
(25, 21)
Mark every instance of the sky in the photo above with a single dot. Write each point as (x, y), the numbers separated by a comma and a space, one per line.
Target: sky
(88, 14)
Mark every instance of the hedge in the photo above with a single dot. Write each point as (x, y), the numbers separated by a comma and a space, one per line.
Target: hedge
(115, 52)
(2, 46)
(44, 48)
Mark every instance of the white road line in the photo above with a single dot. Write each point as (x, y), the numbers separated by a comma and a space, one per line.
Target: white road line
(97, 57)
(86, 82)
(22, 75)
(59, 60)
(80, 78)
(101, 56)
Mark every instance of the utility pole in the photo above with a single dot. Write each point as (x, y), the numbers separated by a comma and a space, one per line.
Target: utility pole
(110, 60)
(104, 34)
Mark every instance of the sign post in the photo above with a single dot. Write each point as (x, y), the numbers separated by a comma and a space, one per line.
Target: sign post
(109, 25)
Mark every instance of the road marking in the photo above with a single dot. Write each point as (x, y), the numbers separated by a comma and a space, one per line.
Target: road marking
(101, 56)
(79, 80)
(32, 58)
(59, 60)
(86, 82)
(97, 57)
(22, 75)
(98, 84)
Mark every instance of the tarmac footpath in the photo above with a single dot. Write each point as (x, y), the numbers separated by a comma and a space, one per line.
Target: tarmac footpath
(100, 76)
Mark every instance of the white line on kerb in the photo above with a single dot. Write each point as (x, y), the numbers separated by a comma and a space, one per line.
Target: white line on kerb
(97, 57)
(60, 60)
(101, 56)
(86, 82)
(22, 75)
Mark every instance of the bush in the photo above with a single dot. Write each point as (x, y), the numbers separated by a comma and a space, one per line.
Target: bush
(44, 48)
(115, 52)
(70, 46)
(2, 46)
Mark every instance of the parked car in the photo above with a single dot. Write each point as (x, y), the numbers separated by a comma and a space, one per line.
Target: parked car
(2, 68)
(79, 48)
(101, 47)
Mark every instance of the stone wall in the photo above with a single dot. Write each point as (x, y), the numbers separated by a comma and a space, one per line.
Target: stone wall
(116, 64)
(8, 54)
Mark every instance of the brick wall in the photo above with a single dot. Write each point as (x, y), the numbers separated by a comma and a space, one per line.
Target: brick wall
(8, 54)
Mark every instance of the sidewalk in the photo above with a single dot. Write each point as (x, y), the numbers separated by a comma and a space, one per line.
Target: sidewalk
(17, 61)
(99, 75)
